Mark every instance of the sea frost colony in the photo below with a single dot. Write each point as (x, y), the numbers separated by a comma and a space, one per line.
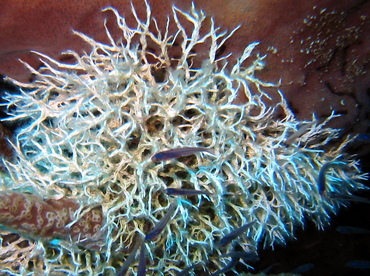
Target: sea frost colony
(89, 130)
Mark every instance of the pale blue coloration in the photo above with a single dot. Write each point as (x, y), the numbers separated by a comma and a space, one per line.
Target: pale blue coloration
(321, 182)
(234, 234)
(86, 133)
(162, 223)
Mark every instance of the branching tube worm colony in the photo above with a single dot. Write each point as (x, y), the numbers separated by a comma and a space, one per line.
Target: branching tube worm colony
(84, 173)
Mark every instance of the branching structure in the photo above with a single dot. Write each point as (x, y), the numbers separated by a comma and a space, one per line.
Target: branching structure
(90, 129)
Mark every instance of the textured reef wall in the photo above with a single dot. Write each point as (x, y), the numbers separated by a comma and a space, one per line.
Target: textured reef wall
(89, 129)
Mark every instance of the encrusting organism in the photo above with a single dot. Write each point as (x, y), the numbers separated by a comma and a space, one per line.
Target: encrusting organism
(88, 129)
(33, 216)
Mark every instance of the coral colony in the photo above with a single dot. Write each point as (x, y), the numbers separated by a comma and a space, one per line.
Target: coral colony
(86, 197)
